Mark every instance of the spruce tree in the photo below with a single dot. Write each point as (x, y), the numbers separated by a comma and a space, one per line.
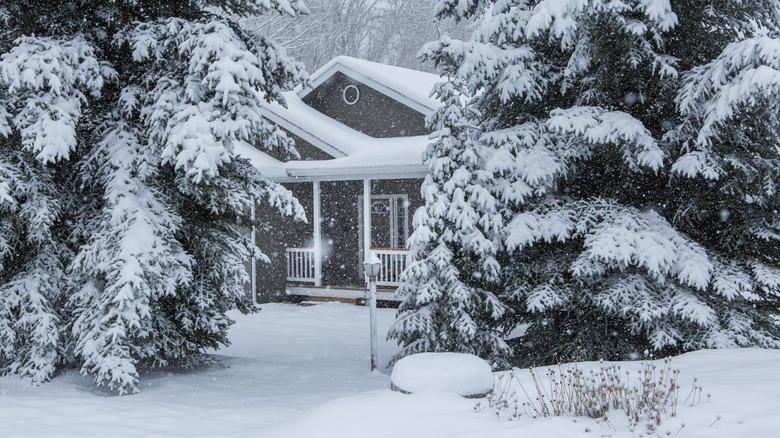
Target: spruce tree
(124, 203)
(45, 83)
(448, 295)
(610, 133)
(725, 178)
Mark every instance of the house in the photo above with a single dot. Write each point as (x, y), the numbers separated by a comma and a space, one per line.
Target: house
(359, 128)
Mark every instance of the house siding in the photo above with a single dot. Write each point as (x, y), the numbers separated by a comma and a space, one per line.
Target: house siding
(282, 233)
(374, 114)
(306, 150)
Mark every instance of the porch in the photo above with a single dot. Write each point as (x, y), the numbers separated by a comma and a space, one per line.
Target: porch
(323, 259)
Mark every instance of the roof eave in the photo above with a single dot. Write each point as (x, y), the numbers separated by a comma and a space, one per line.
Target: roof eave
(343, 173)
(319, 143)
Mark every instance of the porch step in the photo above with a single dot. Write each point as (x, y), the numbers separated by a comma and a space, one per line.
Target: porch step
(331, 293)
(313, 301)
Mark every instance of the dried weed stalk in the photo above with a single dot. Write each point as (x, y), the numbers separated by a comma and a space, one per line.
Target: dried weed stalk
(646, 398)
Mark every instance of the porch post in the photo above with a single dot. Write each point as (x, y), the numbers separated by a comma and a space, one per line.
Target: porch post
(317, 235)
(366, 217)
(253, 268)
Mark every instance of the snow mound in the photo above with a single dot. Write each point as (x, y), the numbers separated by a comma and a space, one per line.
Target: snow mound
(463, 374)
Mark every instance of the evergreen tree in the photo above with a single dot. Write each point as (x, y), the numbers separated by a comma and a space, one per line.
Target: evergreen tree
(448, 290)
(726, 174)
(123, 201)
(45, 84)
(608, 134)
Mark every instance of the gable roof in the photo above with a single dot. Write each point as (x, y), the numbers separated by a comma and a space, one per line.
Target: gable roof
(356, 154)
(410, 87)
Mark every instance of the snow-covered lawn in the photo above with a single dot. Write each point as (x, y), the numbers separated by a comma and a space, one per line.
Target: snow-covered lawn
(302, 372)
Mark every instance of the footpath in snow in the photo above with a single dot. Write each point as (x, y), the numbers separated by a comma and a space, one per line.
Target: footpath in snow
(296, 372)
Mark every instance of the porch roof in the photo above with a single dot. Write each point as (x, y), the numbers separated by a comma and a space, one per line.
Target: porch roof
(357, 155)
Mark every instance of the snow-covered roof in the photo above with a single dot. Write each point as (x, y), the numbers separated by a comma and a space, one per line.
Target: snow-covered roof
(411, 87)
(356, 154)
(268, 165)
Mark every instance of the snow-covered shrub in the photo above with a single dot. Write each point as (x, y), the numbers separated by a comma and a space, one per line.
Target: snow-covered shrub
(645, 396)
(463, 374)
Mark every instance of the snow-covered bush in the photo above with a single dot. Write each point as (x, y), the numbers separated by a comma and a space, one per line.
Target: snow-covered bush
(463, 374)
(645, 397)
(603, 173)
(122, 201)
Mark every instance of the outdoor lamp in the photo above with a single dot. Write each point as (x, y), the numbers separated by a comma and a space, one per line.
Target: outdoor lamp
(371, 266)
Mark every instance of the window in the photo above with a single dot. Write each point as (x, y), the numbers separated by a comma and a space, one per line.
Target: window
(350, 94)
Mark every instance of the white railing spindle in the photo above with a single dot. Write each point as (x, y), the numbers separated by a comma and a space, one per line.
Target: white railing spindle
(300, 264)
(393, 264)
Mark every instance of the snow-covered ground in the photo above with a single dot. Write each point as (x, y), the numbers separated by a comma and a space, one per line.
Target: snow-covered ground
(284, 361)
(302, 372)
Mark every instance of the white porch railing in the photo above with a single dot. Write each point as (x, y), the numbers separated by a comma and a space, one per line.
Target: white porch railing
(393, 264)
(300, 264)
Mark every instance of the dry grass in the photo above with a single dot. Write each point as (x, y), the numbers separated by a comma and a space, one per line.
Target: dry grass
(646, 396)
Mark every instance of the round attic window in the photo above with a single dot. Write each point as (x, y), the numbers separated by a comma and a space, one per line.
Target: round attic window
(350, 94)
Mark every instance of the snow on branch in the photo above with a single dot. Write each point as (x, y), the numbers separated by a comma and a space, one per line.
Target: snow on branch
(10, 181)
(627, 237)
(530, 158)
(614, 238)
(731, 280)
(46, 81)
(634, 296)
(199, 107)
(745, 76)
(459, 9)
(706, 84)
(598, 126)
(255, 7)
(515, 72)
(767, 277)
(562, 19)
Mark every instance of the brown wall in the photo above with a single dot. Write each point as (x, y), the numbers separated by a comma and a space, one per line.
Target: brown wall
(374, 114)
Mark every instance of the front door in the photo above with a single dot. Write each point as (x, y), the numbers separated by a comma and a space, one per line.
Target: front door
(389, 222)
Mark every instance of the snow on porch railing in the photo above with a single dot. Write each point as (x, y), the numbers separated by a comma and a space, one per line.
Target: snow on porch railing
(393, 264)
(300, 264)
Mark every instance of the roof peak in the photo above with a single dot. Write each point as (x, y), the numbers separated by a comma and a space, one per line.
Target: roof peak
(411, 87)
(347, 58)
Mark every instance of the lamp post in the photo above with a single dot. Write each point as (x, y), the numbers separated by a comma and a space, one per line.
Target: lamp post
(371, 266)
